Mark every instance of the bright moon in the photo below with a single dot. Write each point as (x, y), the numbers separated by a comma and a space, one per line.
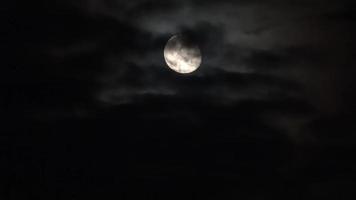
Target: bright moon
(181, 55)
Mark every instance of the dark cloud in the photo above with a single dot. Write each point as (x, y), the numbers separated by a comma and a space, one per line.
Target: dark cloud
(92, 110)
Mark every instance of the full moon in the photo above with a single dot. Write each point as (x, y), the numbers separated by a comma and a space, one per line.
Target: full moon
(182, 55)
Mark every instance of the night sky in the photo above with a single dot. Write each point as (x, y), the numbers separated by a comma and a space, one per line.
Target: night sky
(90, 110)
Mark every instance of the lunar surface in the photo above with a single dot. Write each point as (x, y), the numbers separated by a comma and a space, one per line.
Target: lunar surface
(181, 55)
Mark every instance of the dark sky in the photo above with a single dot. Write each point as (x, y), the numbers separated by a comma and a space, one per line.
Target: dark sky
(90, 109)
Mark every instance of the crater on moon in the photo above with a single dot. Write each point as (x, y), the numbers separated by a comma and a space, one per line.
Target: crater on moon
(182, 55)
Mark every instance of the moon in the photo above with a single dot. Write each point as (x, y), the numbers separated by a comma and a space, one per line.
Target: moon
(182, 55)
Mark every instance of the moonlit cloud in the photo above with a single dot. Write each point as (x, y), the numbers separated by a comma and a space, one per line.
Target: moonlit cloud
(91, 109)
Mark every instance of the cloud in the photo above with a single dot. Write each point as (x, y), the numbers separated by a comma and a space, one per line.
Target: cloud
(269, 113)
(110, 53)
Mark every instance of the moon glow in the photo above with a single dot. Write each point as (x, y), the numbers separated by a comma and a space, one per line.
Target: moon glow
(181, 55)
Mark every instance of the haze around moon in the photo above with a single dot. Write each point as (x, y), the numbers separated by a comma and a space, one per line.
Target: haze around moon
(181, 55)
